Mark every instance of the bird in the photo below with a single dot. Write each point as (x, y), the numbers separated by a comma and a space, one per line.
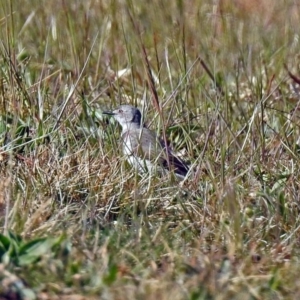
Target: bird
(142, 147)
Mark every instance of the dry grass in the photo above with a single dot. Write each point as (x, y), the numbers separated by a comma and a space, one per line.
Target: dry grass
(77, 222)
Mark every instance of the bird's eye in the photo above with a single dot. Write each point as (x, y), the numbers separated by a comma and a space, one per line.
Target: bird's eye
(120, 110)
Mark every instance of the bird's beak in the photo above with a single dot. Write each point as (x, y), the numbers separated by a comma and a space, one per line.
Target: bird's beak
(110, 113)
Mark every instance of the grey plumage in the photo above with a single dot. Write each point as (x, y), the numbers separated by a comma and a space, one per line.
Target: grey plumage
(144, 150)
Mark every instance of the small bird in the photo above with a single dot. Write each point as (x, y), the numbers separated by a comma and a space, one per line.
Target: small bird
(144, 150)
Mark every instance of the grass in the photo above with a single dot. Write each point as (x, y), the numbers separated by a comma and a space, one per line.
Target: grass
(220, 81)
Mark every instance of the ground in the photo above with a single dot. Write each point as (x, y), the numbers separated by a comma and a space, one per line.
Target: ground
(219, 79)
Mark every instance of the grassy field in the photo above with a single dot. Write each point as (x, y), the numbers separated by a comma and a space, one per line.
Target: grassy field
(220, 78)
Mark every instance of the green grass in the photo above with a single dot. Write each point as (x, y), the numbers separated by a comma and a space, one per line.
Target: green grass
(77, 222)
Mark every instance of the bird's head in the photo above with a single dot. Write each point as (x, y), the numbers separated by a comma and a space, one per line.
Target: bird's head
(126, 114)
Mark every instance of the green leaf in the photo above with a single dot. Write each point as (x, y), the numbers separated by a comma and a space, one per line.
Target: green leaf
(16, 238)
(8, 248)
(34, 250)
(4, 244)
(111, 276)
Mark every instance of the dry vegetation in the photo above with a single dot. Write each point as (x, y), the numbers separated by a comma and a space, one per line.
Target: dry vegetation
(77, 222)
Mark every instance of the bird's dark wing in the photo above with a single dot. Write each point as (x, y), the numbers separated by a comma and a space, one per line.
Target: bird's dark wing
(162, 153)
(175, 164)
